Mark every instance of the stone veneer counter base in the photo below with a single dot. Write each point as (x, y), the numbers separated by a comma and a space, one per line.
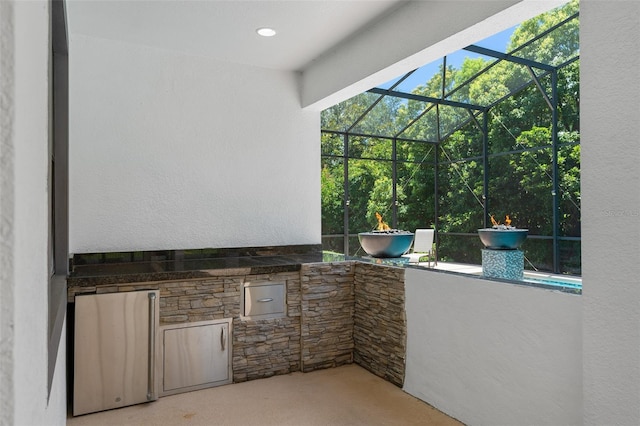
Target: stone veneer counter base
(337, 312)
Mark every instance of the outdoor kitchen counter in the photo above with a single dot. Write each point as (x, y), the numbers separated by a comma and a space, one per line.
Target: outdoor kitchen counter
(127, 271)
(338, 309)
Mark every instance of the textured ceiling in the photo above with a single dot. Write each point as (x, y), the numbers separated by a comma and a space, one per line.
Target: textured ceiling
(225, 30)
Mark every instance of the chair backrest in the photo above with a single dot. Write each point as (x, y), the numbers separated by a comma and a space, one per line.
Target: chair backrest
(423, 241)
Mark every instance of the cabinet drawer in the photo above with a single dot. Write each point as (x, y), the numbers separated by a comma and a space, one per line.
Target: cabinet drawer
(263, 300)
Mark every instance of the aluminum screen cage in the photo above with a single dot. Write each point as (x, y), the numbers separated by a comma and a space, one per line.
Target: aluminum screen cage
(475, 134)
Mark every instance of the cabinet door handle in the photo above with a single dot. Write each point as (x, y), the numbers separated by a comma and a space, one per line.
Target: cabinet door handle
(152, 348)
(266, 299)
(223, 340)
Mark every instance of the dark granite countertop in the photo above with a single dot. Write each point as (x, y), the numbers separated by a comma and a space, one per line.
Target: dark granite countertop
(88, 270)
(129, 267)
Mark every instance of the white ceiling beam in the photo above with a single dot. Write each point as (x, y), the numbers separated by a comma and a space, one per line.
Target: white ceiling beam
(414, 35)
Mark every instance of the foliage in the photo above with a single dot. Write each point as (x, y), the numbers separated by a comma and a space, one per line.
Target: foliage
(519, 147)
(331, 201)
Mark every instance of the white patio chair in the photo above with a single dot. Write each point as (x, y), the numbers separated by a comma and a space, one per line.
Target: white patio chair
(422, 247)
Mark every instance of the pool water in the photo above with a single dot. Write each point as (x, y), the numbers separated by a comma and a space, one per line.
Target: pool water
(555, 281)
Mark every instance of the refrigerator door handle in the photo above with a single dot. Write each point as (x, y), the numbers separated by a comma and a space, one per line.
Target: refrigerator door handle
(223, 340)
(152, 348)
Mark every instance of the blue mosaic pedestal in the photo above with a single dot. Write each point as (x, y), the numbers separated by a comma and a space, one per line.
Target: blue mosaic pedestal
(507, 264)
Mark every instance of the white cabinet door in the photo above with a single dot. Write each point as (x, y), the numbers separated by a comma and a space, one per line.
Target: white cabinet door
(196, 356)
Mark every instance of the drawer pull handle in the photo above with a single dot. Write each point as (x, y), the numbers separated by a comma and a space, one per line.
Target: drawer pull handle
(266, 299)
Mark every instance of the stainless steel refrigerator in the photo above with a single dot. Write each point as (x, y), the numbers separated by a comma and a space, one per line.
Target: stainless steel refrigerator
(115, 350)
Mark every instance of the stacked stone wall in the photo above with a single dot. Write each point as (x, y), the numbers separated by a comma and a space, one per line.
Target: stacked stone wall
(199, 300)
(379, 329)
(337, 313)
(327, 315)
(268, 347)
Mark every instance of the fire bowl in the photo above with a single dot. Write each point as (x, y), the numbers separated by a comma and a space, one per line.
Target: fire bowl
(502, 239)
(386, 243)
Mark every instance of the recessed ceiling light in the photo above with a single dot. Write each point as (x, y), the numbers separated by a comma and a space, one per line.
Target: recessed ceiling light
(266, 32)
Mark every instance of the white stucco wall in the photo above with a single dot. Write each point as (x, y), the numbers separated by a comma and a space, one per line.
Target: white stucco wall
(610, 180)
(24, 216)
(490, 353)
(169, 151)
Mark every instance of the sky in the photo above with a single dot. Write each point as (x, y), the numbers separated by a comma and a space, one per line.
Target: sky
(497, 42)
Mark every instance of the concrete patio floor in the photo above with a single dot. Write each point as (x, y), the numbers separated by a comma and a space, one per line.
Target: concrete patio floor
(346, 395)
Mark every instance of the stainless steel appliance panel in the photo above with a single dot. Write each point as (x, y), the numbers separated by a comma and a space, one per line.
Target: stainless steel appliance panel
(115, 350)
(196, 355)
(264, 300)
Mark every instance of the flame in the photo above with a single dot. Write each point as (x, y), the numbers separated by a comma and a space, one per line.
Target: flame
(382, 226)
(507, 221)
